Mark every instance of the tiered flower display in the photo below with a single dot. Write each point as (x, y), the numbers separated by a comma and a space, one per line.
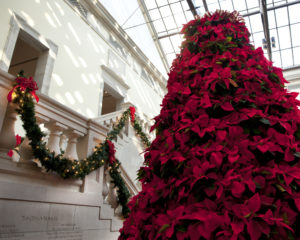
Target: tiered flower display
(225, 162)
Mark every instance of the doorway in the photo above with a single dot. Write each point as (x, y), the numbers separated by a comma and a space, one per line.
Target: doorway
(111, 101)
(26, 49)
(24, 58)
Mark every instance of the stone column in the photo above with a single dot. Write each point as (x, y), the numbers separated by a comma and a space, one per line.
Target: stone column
(55, 129)
(26, 153)
(71, 151)
(7, 134)
(105, 187)
(112, 198)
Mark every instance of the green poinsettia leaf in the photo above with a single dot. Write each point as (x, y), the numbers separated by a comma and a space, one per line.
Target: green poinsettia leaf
(297, 154)
(181, 228)
(297, 134)
(256, 131)
(229, 39)
(140, 174)
(265, 121)
(280, 187)
(248, 215)
(163, 228)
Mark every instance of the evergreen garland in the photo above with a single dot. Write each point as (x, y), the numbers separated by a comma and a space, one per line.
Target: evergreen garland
(22, 95)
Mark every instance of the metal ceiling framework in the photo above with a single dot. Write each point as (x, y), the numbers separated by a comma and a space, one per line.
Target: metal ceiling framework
(264, 17)
(205, 5)
(192, 7)
(153, 33)
(196, 7)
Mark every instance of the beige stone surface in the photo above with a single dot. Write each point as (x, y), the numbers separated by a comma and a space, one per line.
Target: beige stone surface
(44, 221)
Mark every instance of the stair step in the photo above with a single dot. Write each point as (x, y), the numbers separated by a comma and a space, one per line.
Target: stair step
(107, 212)
(116, 224)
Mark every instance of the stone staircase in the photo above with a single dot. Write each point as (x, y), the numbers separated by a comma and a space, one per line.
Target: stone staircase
(41, 205)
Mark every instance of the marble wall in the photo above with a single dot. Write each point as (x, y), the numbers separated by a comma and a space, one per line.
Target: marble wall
(36, 205)
(44, 221)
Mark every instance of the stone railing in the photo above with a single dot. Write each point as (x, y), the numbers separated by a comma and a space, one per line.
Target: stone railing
(146, 124)
(67, 132)
(110, 119)
(109, 192)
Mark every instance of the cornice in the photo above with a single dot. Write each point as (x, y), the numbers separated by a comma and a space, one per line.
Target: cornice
(115, 76)
(112, 25)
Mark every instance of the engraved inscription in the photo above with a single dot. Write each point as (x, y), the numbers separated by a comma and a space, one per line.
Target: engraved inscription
(39, 218)
(58, 231)
(7, 228)
(12, 236)
(64, 227)
(66, 235)
(9, 232)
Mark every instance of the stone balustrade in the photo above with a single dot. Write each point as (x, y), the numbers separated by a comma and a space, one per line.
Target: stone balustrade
(68, 133)
(146, 123)
(111, 119)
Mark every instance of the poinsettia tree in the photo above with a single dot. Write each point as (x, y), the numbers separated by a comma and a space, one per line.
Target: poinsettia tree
(225, 162)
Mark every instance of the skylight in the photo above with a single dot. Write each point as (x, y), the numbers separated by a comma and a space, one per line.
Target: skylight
(283, 21)
(157, 24)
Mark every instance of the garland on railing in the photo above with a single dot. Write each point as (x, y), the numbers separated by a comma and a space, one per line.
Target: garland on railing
(22, 95)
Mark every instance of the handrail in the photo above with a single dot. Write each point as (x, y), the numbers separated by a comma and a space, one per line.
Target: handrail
(108, 116)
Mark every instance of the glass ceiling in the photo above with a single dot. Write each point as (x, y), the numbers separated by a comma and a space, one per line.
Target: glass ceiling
(284, 24)
(164, 19)
(168, 16)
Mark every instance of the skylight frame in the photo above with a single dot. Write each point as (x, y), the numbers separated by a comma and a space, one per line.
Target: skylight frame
(272, 5)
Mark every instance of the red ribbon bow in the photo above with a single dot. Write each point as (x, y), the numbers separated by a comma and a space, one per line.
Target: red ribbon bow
(132, 113)
(111, 147)
(23, 84)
